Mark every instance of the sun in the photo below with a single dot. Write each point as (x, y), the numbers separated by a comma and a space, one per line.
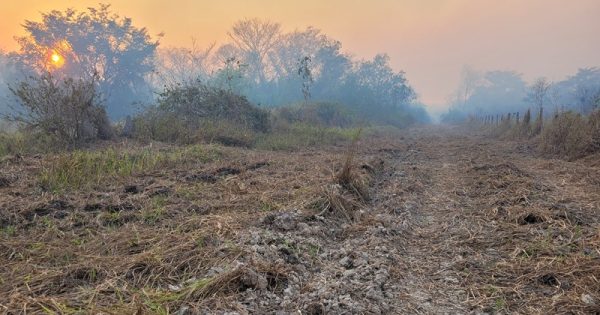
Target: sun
(55, 58)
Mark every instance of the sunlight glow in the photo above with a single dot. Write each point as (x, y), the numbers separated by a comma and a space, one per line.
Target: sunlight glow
(55, 58)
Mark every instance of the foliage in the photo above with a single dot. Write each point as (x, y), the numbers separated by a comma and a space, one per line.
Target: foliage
(579, 92)
(490, 93)
(318, 114)
(196, 102)
(69, 110)
(499, 92)
(98, 43)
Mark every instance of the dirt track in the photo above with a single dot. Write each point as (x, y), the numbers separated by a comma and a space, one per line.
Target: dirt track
(455, 224)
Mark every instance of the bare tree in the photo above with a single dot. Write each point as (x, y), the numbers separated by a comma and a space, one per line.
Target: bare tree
(469, 80)
(255, 38)
(538, 95)
(182, 65)
(539, 92)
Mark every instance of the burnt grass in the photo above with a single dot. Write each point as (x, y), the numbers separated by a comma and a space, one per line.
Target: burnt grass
(429, 221)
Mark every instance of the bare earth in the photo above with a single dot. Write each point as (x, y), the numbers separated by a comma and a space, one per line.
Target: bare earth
(452, 224)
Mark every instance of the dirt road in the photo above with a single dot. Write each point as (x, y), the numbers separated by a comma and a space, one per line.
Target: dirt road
(453, 224)
(490, 227)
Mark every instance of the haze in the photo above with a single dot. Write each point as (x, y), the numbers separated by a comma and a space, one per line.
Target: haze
(431, 40)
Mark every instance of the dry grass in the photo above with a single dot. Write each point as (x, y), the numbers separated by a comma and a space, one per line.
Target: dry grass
(139, 229)
(448, 226)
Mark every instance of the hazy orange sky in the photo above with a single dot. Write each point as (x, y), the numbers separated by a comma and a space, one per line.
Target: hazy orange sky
(429, 39)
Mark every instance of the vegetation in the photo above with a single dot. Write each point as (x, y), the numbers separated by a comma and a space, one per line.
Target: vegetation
(87, 169)
(68, 110)
(96, 42)
(568, 134)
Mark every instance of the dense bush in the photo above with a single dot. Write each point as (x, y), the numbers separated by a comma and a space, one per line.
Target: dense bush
(194, 103)
(196, 112)
(68, 110)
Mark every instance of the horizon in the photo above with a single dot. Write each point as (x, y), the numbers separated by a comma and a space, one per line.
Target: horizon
(432, 40)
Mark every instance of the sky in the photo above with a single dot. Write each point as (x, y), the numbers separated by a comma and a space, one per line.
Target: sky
(431, 40)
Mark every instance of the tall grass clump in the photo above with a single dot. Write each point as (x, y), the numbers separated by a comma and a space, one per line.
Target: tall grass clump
(571, 135)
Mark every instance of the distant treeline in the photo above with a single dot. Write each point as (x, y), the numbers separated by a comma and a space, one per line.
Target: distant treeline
(494, 93)
(268, 66)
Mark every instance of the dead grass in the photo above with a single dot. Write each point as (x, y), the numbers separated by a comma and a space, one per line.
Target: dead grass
(511, 233)
(568, 135)
(137, 230)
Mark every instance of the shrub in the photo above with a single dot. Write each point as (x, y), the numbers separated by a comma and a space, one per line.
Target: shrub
(23, 142)
(156, 125)
(196, 112)
(196, 103)
(69, 110)
(226, 133)
(317, 114)
(594, 131)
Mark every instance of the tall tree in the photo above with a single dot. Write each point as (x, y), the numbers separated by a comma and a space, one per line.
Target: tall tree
(255, 38)
(538, 92)
(93, 43)
(182, 65)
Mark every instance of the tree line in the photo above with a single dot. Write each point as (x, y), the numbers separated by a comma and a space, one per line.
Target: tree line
(260, 61)
(497, 92)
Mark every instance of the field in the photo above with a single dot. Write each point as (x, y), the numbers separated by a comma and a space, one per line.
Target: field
(429, 220)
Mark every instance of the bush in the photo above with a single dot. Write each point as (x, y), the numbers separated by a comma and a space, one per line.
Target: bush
(69, 110)
(196, 103)
(194, 113)
(594, 132)
(317, 114)
(157, 125)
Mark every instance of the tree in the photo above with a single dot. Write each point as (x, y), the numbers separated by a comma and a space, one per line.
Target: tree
(490, 93)
(306, 76)
(538, 93)
(231, 76)
(94, 43)
(470, 79)
(182, 65)
(255, 38)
